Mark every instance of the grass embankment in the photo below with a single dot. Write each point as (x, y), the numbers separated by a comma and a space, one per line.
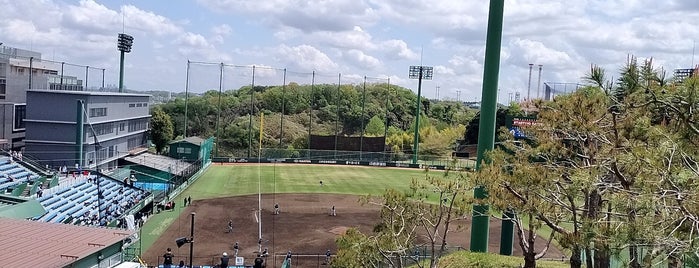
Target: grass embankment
(462, 259)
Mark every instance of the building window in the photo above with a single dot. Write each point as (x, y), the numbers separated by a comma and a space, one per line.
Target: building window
(3, 88)
(20, 115)
(122, 126)
(136, 125)
(131, 105)
(180, 150)
(134, 143)
(101, 129)
(98, 112)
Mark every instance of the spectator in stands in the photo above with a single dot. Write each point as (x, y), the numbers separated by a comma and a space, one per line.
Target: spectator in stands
(224, 261)
(167, 258)
(181, 265)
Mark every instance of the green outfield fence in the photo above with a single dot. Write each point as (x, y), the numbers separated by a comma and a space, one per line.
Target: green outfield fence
(388, 159)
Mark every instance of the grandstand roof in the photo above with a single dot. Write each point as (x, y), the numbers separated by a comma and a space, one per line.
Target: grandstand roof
(159, 162)
(39, 244)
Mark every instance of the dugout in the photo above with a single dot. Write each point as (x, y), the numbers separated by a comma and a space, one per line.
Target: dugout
(191, 149)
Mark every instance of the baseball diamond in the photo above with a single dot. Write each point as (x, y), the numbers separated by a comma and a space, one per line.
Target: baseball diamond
(304, 225)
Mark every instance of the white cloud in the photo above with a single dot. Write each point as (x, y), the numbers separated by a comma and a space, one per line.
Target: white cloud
(305, 58)
(363, 61)
(398, 49)
(148, 21)
(223, 30)
(339, 15)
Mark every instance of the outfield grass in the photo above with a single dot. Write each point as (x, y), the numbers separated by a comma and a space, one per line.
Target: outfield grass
(232, 180)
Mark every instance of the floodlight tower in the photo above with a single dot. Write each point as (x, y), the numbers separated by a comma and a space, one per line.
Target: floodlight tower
(124, 44)
(419, 73)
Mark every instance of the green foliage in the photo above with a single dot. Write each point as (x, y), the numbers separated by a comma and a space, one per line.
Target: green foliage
(484, 260)
(332, 110)
(375, 127)
(161, 129)
(612, 170)
(471, 133)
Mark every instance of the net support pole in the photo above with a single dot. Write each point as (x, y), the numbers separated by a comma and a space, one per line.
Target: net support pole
(486, 131)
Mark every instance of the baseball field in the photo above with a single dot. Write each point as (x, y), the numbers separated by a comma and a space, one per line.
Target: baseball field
(304, 225)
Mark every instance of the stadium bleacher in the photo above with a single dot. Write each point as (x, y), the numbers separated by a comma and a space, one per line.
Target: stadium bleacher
(13, 174)
(77, 203)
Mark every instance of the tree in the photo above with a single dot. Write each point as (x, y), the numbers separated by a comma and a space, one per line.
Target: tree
(161, 129)
(617, 165)
(375, 127)
(471, 132)
(423, 214)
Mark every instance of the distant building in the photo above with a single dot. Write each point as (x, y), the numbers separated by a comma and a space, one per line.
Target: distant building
(21, 70)
(682, 74)
(113, 125)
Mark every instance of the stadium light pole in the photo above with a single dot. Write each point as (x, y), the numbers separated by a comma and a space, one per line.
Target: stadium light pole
(124, 44)
(419, 73)
(486, 131)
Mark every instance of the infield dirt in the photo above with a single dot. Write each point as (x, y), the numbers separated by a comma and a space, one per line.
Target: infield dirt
(304, 226)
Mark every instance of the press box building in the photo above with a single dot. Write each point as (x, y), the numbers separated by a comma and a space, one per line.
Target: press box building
(113, 125)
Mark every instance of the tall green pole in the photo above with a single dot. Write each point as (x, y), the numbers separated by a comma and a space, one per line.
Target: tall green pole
(310, 111)
(79, 132)
(361, 138)
(486, 130)
(416, 138)
(281, 122)
(121, 72)
(252, 98)
(186, 99)
(218, 115)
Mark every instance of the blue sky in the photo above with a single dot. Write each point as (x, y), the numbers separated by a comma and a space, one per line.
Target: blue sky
(379, 39)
